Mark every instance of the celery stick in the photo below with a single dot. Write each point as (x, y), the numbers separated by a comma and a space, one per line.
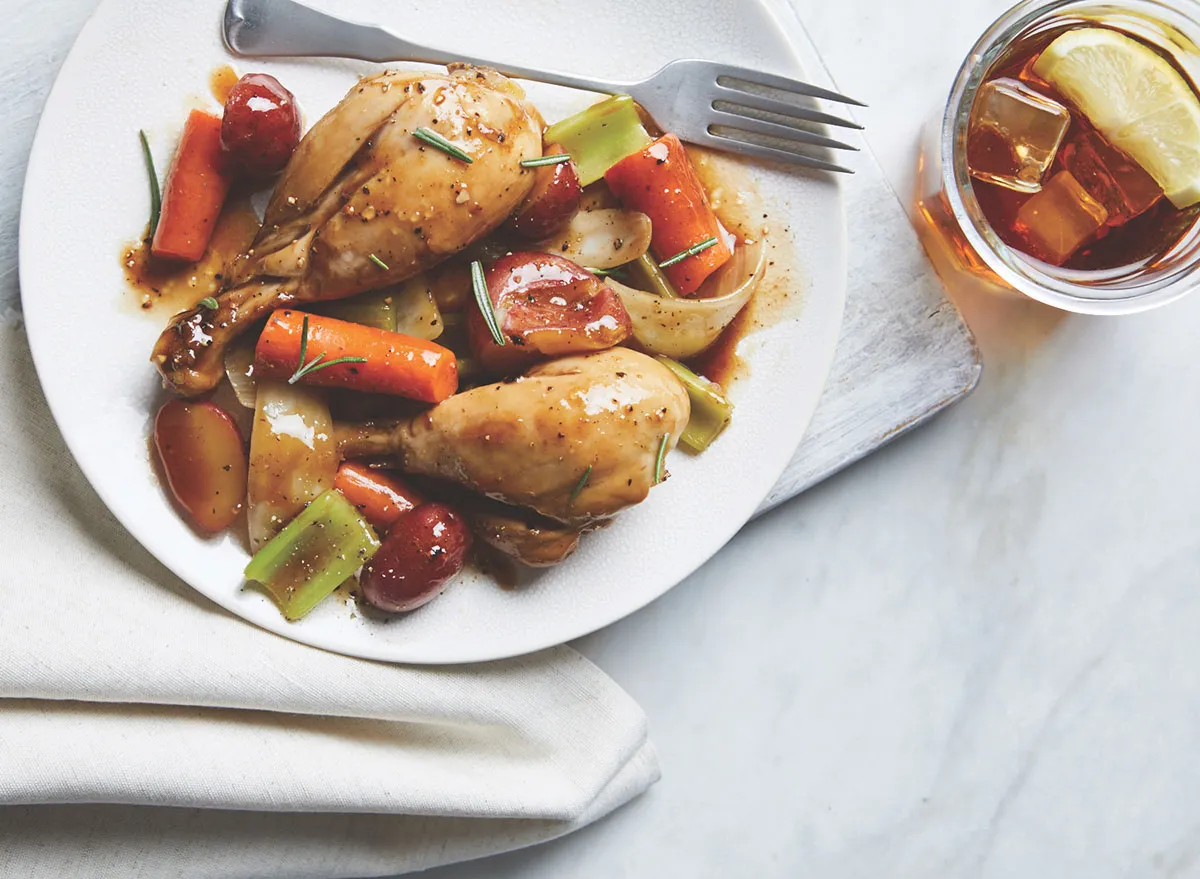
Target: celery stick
(600, 136)
(711, 410)
(646, 275)
(314, 554)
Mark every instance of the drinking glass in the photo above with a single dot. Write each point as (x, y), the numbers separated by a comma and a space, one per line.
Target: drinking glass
(946, 202)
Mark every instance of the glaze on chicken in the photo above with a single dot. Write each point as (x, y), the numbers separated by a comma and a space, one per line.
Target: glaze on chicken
(529, 442)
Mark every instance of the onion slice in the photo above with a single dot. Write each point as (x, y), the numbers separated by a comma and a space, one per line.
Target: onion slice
(682, 328)
(239, 367)
(602, 239)
(293, 456)
(417, 313)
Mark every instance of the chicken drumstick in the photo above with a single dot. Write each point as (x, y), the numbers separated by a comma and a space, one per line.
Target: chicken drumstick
(362, 192)
(575, 439)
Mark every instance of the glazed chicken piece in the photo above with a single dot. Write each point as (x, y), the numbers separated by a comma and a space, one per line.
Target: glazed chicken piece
(361, 185)
(575, 439)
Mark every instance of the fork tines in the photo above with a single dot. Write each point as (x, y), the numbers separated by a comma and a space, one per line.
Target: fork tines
(769, 116)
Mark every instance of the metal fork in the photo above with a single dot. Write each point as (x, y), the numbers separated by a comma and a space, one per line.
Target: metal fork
(714, 105)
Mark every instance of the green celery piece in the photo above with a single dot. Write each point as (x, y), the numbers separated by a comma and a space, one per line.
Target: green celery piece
(314, 554)
(600, 136)
(711, 409)
(373, 309)
(646, 275)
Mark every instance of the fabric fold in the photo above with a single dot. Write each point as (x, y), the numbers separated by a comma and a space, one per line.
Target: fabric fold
(152, 728)
(139, 842)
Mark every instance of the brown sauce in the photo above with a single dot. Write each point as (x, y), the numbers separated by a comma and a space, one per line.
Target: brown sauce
(221, 82)
(492, 563)
(165, 286)
(740, 208)
(721, 362)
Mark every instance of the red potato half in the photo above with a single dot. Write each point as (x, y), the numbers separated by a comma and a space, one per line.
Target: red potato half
(552, 202)
(261, 125)
(422, 552)
(546, 306)
(204, 459)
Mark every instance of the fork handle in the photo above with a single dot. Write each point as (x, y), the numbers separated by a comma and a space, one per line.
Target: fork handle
(285, 28)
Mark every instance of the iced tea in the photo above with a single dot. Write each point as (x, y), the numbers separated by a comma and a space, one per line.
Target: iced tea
(1065, 164)
(1048, 178)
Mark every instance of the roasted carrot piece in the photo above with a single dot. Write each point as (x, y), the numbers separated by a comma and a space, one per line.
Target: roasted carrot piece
(391, 363)
(194, 192)
(377, 494)
(660, 182)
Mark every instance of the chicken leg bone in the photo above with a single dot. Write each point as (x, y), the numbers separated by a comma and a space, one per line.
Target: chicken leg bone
(362, 192)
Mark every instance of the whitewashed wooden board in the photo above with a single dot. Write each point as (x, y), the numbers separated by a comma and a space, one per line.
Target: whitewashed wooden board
(905, 353)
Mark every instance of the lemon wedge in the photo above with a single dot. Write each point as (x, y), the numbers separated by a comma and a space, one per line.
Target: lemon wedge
(1136, 99)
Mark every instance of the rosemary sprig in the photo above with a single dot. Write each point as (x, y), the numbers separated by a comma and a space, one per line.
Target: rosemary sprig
(316, 364)
(484, 300)
(436, 140)
(583, 481)
(209, 302)
(661, 459)
(155, 192)
(373, 258)
(556, 159)
(691, 251)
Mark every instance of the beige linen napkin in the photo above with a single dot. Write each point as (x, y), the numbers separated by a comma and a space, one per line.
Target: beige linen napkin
(123, 693)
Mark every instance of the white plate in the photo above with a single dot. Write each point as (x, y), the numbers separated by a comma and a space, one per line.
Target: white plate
(140, 64)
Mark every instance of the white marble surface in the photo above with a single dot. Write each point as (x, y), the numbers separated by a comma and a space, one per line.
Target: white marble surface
(970, 655)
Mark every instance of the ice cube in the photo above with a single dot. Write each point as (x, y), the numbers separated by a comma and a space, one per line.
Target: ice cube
(1014, 134)
(1060, 219)
(1110, 176)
